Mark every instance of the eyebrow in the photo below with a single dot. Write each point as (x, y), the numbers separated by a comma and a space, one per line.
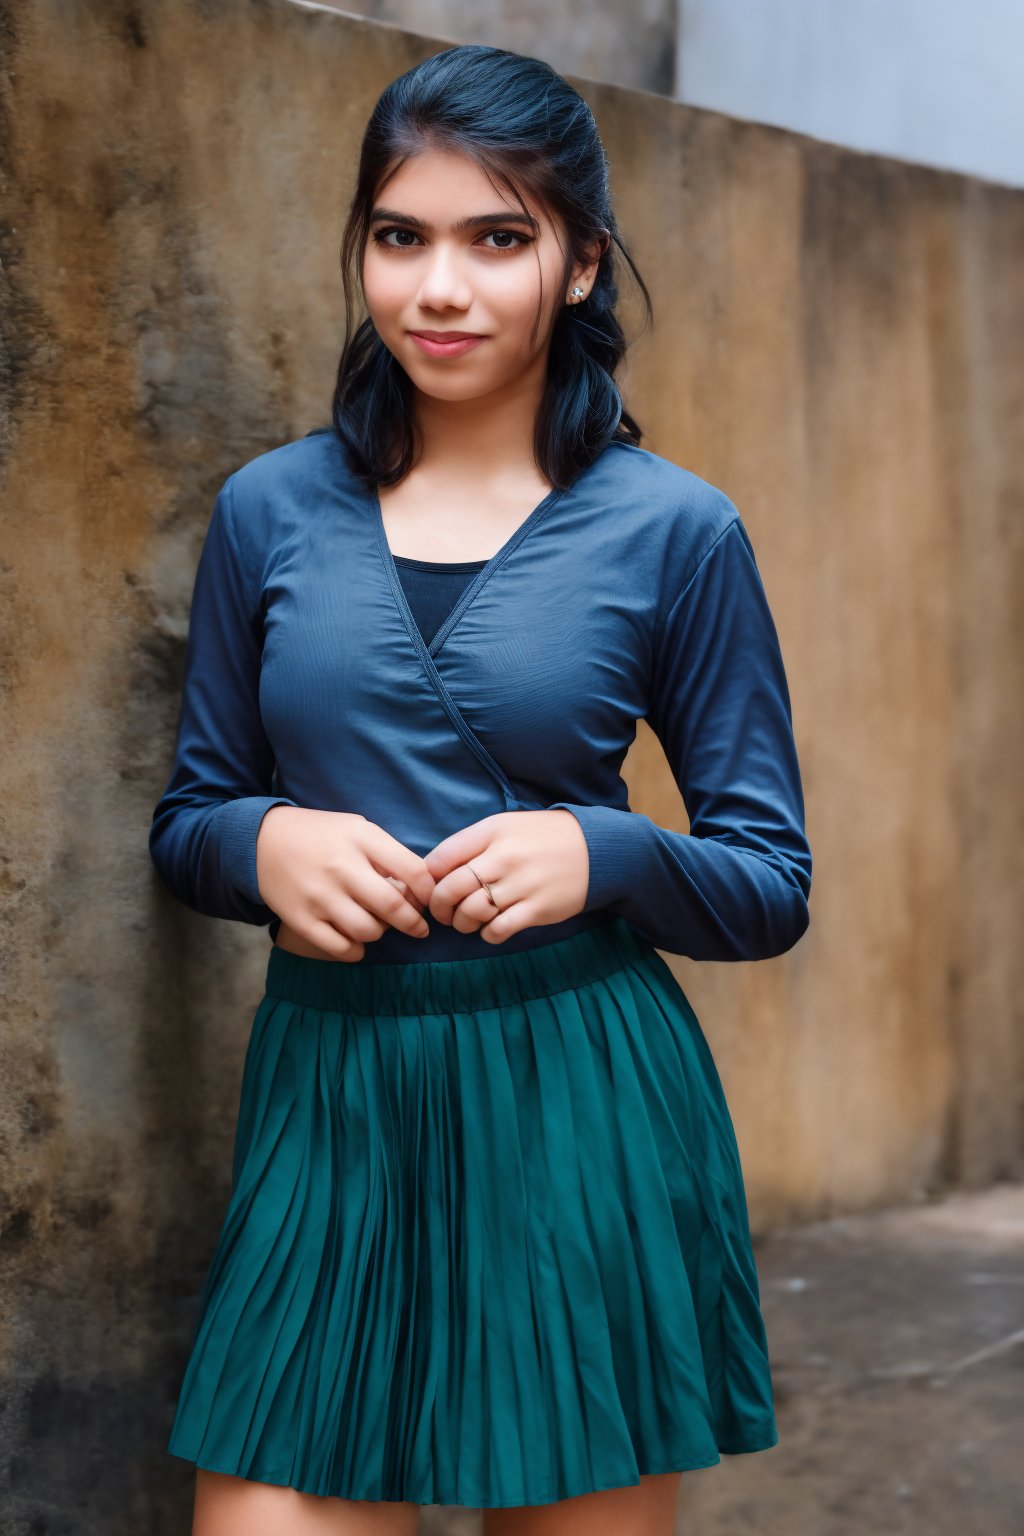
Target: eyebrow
(475, 221)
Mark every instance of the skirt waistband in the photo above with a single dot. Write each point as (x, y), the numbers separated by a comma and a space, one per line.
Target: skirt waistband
(447, 986)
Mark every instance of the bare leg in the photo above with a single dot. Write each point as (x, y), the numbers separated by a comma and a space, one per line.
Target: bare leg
(647, 1510)
(237, 1506)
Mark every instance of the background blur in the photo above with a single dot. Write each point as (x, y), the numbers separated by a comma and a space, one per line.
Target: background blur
(935, 81)
(824, 197)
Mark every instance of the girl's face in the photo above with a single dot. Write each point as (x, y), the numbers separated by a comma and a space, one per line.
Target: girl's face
(448, 254)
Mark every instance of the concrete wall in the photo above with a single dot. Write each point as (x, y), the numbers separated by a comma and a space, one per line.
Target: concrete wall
(625, 42)
(938, 83)
(934, 83)
(837, 344)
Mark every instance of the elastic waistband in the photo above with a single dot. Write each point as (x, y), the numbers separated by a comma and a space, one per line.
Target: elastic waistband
(454, 986)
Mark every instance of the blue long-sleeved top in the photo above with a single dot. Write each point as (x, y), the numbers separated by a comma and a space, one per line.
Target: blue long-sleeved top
(633, 594)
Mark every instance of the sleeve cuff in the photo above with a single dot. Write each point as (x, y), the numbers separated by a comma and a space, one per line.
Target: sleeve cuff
(612, 838)
(239, 824)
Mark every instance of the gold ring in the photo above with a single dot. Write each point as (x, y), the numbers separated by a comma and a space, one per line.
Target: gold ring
(486, 888)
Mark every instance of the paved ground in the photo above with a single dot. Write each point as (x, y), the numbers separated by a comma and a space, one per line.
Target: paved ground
(897, 1344)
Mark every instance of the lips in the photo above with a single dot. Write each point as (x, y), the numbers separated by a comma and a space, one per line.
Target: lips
(446, 343)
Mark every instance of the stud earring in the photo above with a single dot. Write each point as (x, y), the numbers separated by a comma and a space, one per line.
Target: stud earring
(578, 294)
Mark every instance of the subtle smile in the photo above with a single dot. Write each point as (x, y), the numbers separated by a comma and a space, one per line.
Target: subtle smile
(439, 344)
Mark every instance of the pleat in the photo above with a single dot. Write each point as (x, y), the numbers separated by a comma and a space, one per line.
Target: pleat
(485, 1255)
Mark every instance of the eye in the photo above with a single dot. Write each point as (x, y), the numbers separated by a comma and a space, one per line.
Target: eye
(380, 235)
(513, 234)
(381, 238)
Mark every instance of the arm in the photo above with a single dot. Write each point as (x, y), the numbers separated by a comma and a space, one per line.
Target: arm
(203, 835)
(736, 886)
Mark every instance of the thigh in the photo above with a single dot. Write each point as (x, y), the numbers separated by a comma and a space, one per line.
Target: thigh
(647, 1510)
(238, 1506)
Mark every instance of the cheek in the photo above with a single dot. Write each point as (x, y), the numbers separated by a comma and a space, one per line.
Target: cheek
(519, 326)
(384, 288)
(524, 307)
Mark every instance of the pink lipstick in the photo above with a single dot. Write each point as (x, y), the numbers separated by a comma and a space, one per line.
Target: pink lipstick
(445, 343)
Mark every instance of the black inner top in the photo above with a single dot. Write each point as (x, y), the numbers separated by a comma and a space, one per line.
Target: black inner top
(433, 587)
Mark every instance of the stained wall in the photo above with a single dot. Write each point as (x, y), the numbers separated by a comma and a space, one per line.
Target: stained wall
(837, 343)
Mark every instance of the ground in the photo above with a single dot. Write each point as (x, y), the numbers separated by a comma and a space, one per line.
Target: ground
(897, 1344)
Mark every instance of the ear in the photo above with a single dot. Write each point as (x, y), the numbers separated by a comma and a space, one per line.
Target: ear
(589, 270)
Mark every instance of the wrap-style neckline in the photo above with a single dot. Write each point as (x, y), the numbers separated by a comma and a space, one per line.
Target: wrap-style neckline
(472, 588)
(427, 653)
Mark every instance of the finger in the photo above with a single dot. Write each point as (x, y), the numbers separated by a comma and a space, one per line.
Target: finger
(333, 942)
(389, 856)
(454, 889)
(410, 896)
(478, 907)
(461, 846)
(382, 899)
(473, 912)
(511, 920)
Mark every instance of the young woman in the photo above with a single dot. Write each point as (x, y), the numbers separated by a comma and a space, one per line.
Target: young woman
(487, 1242)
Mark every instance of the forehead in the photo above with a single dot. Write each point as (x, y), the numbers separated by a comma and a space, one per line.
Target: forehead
(443, 190)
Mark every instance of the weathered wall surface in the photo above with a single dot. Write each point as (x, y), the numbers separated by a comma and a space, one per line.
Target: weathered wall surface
(627, 42)
(838, 344)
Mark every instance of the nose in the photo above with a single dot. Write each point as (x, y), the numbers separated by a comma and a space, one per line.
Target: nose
(443, 282)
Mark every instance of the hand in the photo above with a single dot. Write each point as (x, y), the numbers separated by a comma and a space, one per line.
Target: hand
(535, 862)
(339, 880)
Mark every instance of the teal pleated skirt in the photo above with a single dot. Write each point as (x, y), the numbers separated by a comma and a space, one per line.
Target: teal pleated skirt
(487, 1242)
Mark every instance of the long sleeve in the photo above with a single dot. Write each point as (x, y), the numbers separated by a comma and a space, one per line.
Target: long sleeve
(736, 886)
(203, 835)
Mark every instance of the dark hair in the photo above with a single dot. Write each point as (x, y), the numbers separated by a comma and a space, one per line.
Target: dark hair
(523, 123)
